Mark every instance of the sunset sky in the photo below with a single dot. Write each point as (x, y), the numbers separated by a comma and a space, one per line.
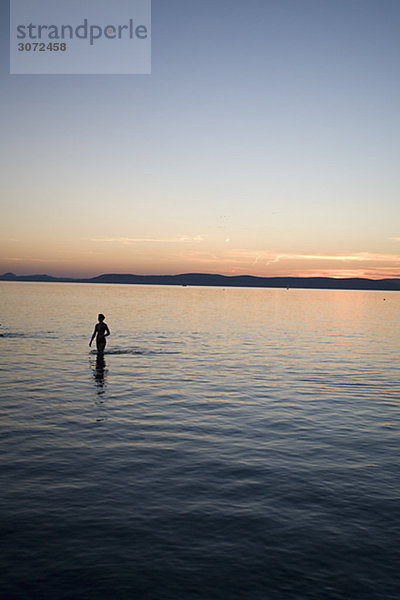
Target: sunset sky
(265, 142)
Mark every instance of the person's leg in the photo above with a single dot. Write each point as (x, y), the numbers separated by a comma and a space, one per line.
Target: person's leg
(101, 344)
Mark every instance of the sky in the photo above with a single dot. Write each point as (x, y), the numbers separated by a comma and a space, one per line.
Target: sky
(265, 142)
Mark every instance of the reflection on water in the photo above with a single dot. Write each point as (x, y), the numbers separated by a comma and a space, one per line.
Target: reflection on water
(99, 373)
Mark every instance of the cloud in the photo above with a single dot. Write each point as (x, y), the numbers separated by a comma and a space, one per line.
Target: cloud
(36, 260)
(357, 257)
(176, 240)
(302, 264)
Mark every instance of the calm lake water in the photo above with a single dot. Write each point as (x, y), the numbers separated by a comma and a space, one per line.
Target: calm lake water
(238, 444)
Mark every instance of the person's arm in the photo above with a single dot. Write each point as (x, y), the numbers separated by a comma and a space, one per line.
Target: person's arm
(107, 331)
(93, 336)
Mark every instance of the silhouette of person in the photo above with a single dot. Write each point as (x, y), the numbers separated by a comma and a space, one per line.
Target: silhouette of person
(100, 332)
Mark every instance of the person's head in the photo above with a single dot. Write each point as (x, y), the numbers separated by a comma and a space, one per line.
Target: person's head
(101, 318)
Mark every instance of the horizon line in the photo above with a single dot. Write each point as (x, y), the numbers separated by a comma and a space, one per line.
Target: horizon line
(217, 280)
(193, 273)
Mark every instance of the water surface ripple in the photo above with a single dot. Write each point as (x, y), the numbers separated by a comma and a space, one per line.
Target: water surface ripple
(233, 443)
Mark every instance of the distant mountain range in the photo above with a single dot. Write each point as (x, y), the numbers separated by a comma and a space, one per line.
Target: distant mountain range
(207, 279)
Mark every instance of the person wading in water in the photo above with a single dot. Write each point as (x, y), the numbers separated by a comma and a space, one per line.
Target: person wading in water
(101, 331)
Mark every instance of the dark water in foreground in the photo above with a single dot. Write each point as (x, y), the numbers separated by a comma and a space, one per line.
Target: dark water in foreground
(239, 444)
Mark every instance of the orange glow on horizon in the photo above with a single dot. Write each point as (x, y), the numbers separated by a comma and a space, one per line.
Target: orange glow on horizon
(91, 257)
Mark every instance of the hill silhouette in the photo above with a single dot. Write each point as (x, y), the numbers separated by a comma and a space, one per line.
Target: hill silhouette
(209, 279)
